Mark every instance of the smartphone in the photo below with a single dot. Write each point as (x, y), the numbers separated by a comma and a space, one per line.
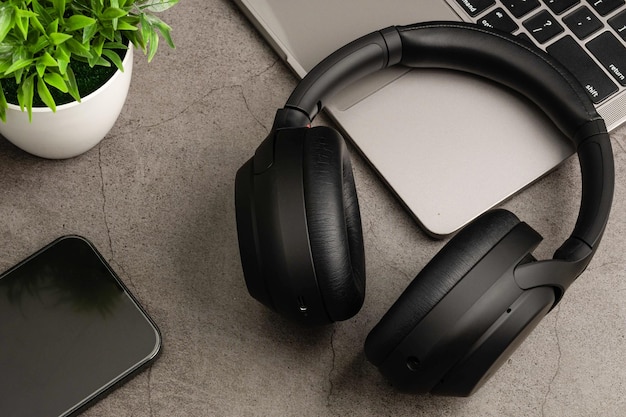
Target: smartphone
(69, 331)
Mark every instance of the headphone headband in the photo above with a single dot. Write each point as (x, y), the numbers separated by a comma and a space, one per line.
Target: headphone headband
(299, 226)
(459, 46)
(500, 58)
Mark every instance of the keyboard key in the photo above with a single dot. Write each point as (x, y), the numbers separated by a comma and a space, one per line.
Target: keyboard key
(597, 84)
(543, 26)
(583, 22)
(619, 24)
(559, 6)
(519, 8)
(605, 7)
(475, 7)
(498, 19)
(611, 53)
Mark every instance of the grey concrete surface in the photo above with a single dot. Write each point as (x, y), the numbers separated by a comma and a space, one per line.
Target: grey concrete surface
(156, 197)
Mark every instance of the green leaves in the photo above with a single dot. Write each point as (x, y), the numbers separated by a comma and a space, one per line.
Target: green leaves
(6, 20)
(44, 94)
(114, 58)
(25, 94)
(113, 13)
(156, 6)
(3, 106)
(22, 18)
(77, 22)
(59, 38)
(39, 40)
(56, 81)
(18, 65)
(59, 6)
(44, 62)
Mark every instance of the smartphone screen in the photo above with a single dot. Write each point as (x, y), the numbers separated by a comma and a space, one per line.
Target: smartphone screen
(69, 331)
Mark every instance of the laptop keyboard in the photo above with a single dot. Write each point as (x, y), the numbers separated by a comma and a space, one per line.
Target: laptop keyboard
(587, 36)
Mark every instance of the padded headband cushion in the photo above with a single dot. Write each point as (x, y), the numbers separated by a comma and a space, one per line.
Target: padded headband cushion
(496, 56)
(436, 279)
(334, 223)
(505, 60)
(454, 45)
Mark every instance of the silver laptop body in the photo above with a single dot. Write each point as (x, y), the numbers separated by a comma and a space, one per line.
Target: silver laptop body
(449, 145)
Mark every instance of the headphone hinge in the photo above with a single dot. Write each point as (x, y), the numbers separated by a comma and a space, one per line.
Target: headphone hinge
(392, 39)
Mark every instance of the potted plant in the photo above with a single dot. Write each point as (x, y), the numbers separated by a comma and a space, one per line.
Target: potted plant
(65, 68)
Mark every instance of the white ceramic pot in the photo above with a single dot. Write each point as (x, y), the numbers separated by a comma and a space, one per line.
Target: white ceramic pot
(75, 127)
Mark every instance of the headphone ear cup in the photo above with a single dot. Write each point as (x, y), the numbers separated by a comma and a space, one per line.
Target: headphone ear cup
(334, 222)
(436, 279)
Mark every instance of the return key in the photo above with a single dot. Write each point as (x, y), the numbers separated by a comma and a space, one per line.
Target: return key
(611, 53)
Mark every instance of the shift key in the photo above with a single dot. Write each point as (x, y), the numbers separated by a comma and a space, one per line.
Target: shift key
(597, 84)
(611, 53)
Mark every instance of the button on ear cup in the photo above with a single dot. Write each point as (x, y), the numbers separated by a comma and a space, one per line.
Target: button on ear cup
(436, 279)
(334, 223)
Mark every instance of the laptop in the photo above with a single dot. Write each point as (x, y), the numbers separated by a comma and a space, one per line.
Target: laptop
(450, 145)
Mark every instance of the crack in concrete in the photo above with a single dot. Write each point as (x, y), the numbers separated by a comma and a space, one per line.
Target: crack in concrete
(108, 230)
(127, 278)
(332, 369)
(245, 100)
(150, 409)
(558, 361)
(202, 98)
(104, 200)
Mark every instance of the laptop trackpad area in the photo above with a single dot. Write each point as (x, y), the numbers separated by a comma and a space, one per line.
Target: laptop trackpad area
(450, 145)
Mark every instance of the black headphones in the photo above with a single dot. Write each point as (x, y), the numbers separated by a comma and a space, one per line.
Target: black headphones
(299, 226)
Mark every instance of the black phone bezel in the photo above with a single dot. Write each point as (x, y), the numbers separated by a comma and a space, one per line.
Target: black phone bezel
(107, 386)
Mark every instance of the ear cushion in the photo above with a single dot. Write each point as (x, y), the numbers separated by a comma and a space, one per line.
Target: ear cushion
(436, 279)
(334, 222)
